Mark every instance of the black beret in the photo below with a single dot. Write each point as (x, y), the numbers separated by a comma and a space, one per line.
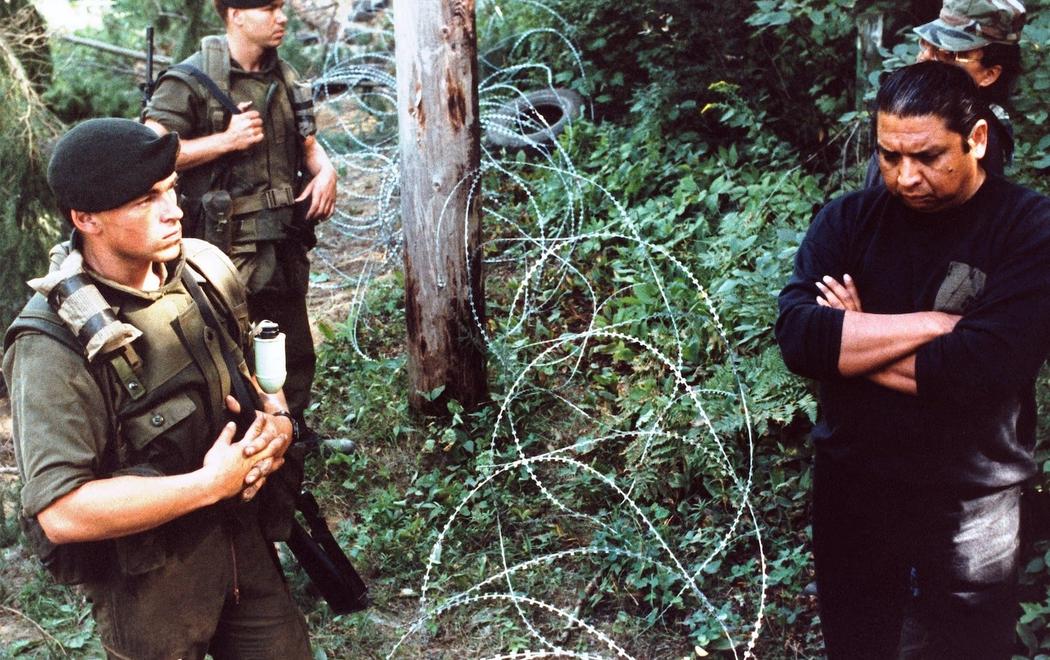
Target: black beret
(105, 163)
(246, 4)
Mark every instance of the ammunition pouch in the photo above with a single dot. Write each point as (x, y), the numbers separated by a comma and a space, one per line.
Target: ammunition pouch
(69, 563)
(79, 563)
(218, 209)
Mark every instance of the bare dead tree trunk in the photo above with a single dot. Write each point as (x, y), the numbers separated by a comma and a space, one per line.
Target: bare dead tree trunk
(439, 130)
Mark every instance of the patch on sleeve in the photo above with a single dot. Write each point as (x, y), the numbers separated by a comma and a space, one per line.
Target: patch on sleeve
(960, 288)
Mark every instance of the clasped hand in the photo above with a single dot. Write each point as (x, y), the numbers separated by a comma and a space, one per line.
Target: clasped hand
(244, 466)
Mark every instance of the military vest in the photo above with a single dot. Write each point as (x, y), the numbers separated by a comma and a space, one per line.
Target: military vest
(164, 400)
(247, 196)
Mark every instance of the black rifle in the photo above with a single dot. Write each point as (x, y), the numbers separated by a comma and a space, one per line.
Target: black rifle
(323, 560)
(147, 86)
(316, 550)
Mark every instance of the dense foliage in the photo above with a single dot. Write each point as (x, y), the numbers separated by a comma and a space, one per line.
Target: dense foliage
(719, 139)
(28, 220)
(716, 141)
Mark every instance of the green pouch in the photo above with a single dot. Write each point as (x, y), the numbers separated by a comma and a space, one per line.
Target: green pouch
(68, 563)
(217, 206)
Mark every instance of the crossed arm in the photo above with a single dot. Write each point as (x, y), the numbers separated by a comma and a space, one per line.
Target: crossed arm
(880, 347)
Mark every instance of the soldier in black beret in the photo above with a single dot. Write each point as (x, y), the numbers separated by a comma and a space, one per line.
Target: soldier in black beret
(120, 396)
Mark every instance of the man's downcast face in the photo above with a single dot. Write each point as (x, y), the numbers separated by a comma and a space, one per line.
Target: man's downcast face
(147, 229)
(923, 162)
(264, 26)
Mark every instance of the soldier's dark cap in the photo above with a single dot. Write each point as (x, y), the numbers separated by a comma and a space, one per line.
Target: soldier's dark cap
(246, 4)
(102, 164)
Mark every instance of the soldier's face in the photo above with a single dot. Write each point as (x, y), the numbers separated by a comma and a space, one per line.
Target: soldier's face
(263, 26)
(925, 164)
(146, 229)
(970, 61)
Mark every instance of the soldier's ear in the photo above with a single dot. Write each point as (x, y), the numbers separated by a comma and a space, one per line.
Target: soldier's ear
(86, 223)
(978, 139)
(988, 75)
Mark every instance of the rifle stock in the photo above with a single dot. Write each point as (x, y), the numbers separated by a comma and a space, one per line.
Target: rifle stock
(328, 567)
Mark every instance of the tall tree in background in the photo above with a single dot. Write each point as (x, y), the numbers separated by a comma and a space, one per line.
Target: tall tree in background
(437, 107)
(28, 219)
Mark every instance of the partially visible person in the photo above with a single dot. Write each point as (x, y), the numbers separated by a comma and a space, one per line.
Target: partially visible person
(255, 180)
(980, 37)
(120, 395)
(922, 308)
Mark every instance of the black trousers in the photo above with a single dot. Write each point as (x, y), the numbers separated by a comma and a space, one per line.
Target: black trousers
(868, 536)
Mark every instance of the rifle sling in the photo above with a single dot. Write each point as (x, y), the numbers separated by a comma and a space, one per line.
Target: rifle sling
(244, 396)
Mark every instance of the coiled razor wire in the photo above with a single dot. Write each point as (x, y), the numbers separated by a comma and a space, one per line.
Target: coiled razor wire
(357, 92)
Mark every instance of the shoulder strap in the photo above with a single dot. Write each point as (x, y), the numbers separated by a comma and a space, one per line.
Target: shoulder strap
(37, 316)
(215, 58)
(217, 94)
(239, 385)
(219, 272)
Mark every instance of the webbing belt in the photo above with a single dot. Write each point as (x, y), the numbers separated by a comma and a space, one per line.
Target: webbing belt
(268, 199)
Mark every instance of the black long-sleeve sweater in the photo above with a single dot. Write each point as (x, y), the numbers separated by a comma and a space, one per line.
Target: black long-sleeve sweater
(973, 420)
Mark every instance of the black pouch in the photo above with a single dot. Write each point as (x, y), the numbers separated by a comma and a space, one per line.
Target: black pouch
(192, 220)
(302, 230)
(217, 206)
(278, 496)
(69, 563)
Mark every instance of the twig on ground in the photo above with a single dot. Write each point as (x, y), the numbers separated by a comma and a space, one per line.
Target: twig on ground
(577, 611)
(47, 636)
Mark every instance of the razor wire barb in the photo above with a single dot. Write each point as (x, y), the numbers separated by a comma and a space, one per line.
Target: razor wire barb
(543, 248)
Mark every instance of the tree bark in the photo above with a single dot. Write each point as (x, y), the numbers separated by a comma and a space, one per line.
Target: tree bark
(439, 132)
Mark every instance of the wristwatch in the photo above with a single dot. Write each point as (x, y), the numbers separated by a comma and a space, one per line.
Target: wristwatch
(295, 424)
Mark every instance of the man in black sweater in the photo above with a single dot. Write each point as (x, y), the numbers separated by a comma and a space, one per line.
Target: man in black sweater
(923, 308)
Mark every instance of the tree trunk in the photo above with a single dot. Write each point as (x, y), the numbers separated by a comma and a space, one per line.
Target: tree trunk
(439, 132)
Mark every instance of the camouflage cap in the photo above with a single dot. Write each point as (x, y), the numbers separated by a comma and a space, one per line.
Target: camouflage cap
(970, 24)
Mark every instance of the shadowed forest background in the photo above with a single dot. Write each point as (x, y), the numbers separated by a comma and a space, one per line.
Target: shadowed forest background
(638, 482)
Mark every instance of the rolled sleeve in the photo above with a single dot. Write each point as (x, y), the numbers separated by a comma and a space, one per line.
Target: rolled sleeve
(175, 106)
(59, 420)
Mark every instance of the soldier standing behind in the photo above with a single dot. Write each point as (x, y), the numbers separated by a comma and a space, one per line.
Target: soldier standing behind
(254, 179)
